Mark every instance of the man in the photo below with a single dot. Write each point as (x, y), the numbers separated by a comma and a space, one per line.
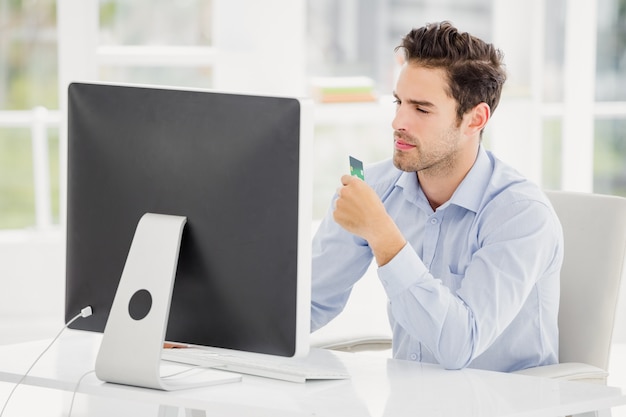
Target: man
(468, 251)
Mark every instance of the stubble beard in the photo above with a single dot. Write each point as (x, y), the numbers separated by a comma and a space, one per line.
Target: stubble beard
(437, 161)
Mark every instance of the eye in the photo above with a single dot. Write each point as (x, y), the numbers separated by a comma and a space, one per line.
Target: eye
(419, 109)
(397, 102)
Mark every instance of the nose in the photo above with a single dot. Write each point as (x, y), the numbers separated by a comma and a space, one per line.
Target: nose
(399, 119)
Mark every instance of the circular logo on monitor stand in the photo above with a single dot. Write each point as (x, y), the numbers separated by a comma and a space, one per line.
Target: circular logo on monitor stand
(140, 304)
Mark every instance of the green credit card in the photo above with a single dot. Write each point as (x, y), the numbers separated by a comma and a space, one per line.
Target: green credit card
(356, 168)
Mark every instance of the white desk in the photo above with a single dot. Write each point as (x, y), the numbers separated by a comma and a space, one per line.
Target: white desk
(378, 387)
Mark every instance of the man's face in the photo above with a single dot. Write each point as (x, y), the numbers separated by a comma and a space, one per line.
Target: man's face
(427, 137)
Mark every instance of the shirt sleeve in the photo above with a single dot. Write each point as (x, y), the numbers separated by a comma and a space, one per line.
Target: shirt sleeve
(339, 260)
(517, 244)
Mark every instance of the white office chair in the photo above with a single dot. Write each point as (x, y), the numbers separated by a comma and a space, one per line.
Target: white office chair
(594, 229)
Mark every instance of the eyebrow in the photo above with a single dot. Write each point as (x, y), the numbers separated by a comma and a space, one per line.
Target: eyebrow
(421, 103)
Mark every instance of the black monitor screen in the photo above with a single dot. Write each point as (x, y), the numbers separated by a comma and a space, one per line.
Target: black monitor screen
(232, 165)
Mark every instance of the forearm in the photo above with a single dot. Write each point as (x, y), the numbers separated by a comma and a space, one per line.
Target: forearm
(428, 311)
(448, 330)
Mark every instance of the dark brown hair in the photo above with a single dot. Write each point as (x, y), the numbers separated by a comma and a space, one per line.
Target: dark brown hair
(474, 68)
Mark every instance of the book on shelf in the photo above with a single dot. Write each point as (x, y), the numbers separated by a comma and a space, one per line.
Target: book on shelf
(342, 89)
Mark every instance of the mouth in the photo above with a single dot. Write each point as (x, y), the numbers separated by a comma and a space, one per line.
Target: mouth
(402, 145)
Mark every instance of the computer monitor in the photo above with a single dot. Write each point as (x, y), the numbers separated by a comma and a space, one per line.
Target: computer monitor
(237, 167)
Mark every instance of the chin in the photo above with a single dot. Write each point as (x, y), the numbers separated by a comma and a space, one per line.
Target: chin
(402, 164)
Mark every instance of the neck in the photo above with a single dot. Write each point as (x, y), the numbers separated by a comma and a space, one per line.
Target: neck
(439, 186)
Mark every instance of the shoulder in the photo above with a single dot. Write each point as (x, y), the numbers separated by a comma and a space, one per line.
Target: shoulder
(510, 196)
(508, 186)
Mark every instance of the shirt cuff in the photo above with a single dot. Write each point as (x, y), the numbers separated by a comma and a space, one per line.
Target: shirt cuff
(405, 270)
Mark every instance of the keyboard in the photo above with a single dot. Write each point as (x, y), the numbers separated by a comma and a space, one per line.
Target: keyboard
(286, 369)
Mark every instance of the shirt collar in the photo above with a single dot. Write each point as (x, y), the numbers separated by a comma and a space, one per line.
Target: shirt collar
(412, 192)
(469, 194)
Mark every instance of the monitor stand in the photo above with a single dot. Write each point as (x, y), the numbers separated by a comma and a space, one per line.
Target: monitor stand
(132, 343)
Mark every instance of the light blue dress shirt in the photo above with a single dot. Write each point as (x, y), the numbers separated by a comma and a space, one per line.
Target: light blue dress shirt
(477, 283)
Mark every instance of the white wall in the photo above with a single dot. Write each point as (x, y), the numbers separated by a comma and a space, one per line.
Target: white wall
(32, 278)
(264, 51)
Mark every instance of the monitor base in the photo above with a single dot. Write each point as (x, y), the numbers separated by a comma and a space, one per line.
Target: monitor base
(130, 351)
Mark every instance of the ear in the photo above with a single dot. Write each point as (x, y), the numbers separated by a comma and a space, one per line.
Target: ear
(477, 118)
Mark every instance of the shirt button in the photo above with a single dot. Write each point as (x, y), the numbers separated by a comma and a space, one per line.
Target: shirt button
(413, 356)
(433, 221)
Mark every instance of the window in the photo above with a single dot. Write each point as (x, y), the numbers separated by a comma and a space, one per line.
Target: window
(29, 136)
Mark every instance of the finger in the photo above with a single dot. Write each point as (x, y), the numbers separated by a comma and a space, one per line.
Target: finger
(347, 179)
